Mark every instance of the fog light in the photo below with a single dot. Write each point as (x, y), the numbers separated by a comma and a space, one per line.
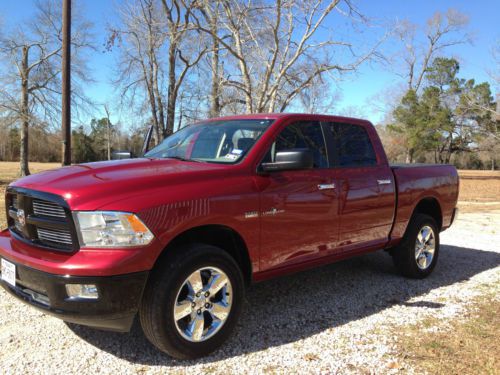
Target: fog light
(82, 291)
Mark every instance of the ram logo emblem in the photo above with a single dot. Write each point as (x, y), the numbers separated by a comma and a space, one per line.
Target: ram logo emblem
(21, 217)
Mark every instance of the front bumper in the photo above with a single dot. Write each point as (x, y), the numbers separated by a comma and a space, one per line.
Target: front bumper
(115, 309)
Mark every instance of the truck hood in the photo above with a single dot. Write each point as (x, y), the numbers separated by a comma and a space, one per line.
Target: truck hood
(91, 186)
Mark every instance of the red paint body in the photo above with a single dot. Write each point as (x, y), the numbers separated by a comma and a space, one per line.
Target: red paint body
(171, 196)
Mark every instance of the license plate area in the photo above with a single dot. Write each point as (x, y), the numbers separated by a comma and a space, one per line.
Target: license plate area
(8, 272)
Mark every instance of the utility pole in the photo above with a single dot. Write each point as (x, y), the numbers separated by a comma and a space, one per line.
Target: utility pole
(66, 83)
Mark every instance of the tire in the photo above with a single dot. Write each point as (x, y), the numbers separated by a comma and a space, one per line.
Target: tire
(411, 247)
(169, 289)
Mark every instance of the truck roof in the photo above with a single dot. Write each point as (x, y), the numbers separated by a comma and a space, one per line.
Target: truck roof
(298, 116)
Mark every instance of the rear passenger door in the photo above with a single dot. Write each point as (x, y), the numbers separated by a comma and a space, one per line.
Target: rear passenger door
(365, 188)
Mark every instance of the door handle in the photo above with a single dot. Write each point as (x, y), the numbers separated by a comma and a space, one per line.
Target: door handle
(384, 182)
(326, 186)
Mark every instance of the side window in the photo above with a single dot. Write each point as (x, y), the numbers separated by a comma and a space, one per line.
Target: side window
(302, 135)
(353, 145)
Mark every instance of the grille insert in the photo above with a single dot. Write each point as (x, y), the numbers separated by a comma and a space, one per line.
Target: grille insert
(55, 236)
(48, 209)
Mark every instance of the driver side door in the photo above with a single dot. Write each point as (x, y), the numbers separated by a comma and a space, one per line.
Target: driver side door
(298, 208)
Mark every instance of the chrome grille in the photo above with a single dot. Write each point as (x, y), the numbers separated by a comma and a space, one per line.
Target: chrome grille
(57, 236)
(46, 208)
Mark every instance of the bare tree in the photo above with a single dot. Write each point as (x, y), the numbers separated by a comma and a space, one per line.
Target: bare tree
(177, 14)
(140, 70)
(441, 31)
(210, 12)
(150, 30)
(313, 99)
(495, 73)
(489, 151)
(276, 49)
(31, 78)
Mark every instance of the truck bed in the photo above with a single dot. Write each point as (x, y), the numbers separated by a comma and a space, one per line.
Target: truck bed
(436, 183)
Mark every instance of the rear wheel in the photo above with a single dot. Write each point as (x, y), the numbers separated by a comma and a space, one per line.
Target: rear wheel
(417, 254)
(192, 301)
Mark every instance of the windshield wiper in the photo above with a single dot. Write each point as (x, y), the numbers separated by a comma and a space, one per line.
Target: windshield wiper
(182, 158)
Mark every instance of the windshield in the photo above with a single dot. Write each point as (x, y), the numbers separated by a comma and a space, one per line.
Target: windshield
(224, 141)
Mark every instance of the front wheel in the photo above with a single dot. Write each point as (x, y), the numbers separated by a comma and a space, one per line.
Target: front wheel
(192, 302)
(417, 254)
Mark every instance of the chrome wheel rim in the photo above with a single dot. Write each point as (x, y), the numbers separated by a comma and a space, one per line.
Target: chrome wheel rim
(203, 304)
(425, 246)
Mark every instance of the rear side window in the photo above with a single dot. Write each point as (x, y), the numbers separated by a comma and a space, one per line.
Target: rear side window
(301, 135)
(353, 146)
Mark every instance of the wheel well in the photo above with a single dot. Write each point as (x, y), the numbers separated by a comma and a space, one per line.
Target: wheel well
(219, 236)
(431, 207)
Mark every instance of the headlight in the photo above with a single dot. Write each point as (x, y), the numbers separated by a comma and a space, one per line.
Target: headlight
(111, 229)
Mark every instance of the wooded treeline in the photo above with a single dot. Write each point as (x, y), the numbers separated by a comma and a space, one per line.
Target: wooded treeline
(183, 60)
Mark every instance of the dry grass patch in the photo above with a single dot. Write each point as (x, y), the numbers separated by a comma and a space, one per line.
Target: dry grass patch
(9, 170)
(479, 186)
(479, 191)
(469, 345)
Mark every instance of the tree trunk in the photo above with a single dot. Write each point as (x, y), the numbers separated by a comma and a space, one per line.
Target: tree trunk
(161, 113)
(272, 102)
(24, 168)
(152, 105)
(181, 114)
(160, 107)
(409, 156)
(247, 84)
(154, 117)
(108, 131)
(109, 139)
(215, 94)
(449, 151)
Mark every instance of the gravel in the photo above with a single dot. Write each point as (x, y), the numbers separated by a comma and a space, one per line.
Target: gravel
(339, 318)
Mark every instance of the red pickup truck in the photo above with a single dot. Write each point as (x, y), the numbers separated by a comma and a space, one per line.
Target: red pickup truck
(176, 236)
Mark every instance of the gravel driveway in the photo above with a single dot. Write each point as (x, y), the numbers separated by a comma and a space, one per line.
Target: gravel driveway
(339, 318)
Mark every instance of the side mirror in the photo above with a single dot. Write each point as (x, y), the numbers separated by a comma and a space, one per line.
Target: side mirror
(147, 140)
(117, 155)
(294, 159)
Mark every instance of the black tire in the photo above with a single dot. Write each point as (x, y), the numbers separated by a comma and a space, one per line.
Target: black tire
(404, 254)
(156, 310)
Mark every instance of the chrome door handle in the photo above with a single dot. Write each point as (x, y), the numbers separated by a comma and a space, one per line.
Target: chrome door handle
(326, 186)
(384, 182)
